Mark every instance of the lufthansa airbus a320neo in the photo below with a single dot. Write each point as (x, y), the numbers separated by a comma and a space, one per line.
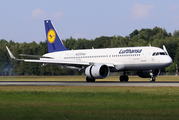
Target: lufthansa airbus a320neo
(98, 63)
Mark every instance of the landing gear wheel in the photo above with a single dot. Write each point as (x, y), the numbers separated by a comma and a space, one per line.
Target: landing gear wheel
(121, 78)
(124, 78)
(152, 79)
(89, 79)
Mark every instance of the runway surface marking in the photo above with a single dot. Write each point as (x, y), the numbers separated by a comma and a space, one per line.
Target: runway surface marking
(83, 83)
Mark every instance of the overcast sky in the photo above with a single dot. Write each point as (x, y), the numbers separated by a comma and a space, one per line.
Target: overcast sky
(23, 20)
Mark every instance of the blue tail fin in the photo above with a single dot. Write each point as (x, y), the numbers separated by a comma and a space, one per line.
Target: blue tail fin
(53, 40)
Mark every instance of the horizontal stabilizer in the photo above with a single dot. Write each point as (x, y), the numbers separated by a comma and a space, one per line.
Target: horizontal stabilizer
(35, 56)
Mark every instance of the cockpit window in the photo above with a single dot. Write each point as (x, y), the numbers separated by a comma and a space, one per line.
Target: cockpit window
(159, 53)
(162, 53)
(153, 54)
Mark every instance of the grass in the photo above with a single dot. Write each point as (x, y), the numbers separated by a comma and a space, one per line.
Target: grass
(85, 102)
(73, 102)
(81, 78)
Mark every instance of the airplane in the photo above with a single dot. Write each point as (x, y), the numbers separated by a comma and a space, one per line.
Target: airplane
(98, 63)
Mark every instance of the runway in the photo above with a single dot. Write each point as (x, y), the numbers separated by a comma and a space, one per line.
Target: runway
(83, 83)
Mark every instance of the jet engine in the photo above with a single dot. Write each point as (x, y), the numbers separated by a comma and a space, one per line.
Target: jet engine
(148, 73)
(97, 71)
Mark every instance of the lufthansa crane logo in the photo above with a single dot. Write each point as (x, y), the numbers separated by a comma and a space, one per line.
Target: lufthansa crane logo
(51, 36)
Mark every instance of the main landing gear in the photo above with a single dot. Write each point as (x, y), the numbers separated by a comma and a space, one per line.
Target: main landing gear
(90, 79)
(124, 77)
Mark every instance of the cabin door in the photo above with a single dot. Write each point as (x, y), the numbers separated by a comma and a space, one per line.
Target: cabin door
(143, 55)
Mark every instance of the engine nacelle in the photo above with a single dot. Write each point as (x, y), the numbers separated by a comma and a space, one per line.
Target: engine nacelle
(148, 73)
(97, 71)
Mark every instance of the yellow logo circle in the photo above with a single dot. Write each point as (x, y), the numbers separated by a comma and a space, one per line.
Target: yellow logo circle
(51, 36)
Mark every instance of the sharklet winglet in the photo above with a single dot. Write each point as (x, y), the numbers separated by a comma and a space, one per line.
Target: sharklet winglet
(164, 48)
(11, 55)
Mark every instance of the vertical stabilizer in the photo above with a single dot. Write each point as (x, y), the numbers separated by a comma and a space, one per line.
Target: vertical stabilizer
(53, 40)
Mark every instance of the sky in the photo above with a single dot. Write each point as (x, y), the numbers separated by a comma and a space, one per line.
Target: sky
(23, 20)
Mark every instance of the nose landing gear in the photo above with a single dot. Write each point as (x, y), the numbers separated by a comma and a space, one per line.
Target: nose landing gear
(152, 79)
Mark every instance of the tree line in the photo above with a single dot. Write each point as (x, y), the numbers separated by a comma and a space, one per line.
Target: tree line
(156, 37)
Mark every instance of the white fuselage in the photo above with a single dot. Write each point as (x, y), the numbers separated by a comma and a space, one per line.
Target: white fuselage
(126, 58)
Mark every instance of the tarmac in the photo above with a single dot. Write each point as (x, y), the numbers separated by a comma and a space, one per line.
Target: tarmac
(84, 83)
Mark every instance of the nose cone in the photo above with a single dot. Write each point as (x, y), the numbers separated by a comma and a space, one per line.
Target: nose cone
(168, 61)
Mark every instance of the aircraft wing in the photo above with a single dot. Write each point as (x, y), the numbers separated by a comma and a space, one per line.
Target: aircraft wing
(60, 62)
(69, 63)
(49, 60)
